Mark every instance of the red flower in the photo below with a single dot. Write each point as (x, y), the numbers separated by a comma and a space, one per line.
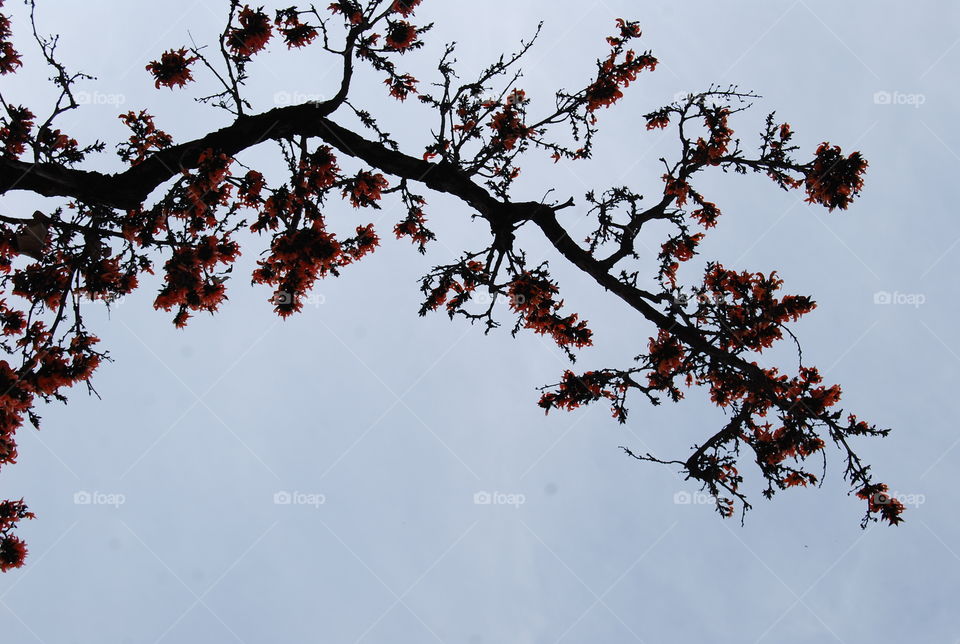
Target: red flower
(666, 359)
(707, 214)
(252, 35)
(9, 58)
(350, 10)
(659, 119)
(834, 180)
(676, 187)
(509, 127)
(299, 35)
(414, 226)
(15, 133)
(365, 241)
(12, 553)
(364, 189)
(405, 7)
(172, 69)
(320, 169)
(401, 36)
(574, 390)
(402, 86)
(145, 138)
(532, 296)
(605, 91)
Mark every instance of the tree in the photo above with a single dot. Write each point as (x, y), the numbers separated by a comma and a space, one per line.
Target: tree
(109, 232)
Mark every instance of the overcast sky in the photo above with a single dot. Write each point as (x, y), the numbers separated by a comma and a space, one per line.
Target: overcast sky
(382, 427)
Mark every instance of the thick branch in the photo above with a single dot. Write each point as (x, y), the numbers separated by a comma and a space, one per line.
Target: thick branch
(129, 189)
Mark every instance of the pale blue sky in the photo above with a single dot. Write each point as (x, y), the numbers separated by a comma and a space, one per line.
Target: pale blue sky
(399, 421)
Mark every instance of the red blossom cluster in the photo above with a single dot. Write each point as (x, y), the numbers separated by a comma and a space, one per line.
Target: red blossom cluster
(49, 369)
(206, 189)
(659, 119)
(507, 124)
(675, 250)
(146, 137)
(746, 309)
(574, 391)
(364, 189)
(834, 180)
(709, 152)
(250, 188)
(666, 358)
(173, 68)
(15, 132)
(800, 401)
(319, 170)
(462, 280)
(777, 148)
(104, 278)
(252, 35)
(189, 281)
(613, 76)
(16, 399)
(350, 10)
(299, 257)
(414, 225)
(43, 282)
(294, 32)
(56, 147)
(877, 496)
(677, 188)
(9, 58)
(401, 36)
(532, 296)
(405, 7)
(13, 551)
(12, 321)
(471, 274)
(401, 86)
(707, 214)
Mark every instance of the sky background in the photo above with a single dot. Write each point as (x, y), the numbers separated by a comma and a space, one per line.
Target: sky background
(395, 422)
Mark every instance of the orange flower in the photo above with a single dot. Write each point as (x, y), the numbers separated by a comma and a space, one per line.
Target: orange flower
(9, 58)
(252, 35)
(402, 86)
(401, 36)
(13, 551)
(172, 69)
(364, 189)
(405, 7)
